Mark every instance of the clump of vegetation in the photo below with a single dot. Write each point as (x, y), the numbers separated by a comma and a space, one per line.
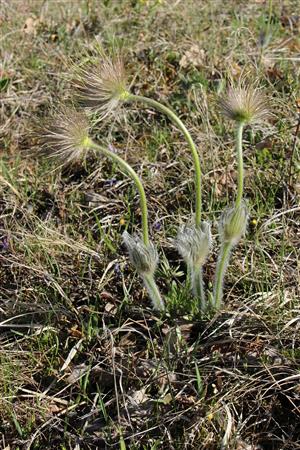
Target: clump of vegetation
(244, 105)
(67, 137)
(198, 350)
(101, 88)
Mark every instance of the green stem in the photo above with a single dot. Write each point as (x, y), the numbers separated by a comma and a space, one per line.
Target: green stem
(270, 17)
(198, 286)
(175, 119)
(153, 292)
(133, 175)
(239, 151)
(227, 246)
(220, 273)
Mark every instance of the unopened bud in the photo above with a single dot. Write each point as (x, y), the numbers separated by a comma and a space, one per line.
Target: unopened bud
(193, 243)
(233, 223)
(143, 257)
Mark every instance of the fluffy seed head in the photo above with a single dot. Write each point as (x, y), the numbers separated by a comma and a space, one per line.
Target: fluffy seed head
(244, 103)
(102, 86)
(194, 243)
(143, 257)
(65, 136)
(233, 224)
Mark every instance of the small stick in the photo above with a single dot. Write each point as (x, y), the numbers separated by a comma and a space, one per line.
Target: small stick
(294, 146)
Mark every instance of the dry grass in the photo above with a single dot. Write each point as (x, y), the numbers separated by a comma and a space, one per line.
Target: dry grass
(84, 363)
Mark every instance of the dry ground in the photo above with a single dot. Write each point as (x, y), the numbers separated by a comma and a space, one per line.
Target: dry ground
(84, 363)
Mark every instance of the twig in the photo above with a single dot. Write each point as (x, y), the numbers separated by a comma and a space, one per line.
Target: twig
(294, 148)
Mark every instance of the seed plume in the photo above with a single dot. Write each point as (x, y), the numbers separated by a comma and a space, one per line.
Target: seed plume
(101, 86)
(65, 136)
(245, 103)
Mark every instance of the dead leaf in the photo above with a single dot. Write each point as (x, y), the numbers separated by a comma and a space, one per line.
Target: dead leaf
(297, 188)
(106, 296)
(127, 341)
(31, 25)
(74, 332)
(110, 309)
(292, 21)
(185, 400)
(235, 70)
(53, 408)
(77, 373)
(166, 400)
(73, 352)
(138, 397)
(274, 73)
(195, 56)
(164, 379)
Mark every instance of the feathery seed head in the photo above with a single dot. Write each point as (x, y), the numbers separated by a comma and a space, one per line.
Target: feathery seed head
(143, 257)
(102, 86)
(245, 104)
(66, 136)
(233, 223)
(194, 243)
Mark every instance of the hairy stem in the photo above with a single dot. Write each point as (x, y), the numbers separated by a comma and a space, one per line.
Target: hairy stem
(228, 245)
(198, 286)
(134, 176)
(239, 151)
(220, 273)
(153, 292)
(175, 119)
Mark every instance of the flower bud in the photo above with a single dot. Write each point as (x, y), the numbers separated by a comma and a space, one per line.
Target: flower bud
(233, 223)
(193, 243)
(143, 257)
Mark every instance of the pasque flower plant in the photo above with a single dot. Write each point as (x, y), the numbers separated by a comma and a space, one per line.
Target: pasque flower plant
(244, 105)
(66, 137)
(102, 87)
(194, 244)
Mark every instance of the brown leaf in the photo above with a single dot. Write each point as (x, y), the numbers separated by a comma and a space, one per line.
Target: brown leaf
(110, 309)
(138, 397)
(77, 373)
(195, 56)
(106, 296)
(30, 26)
(74, 332)
(54, 408)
